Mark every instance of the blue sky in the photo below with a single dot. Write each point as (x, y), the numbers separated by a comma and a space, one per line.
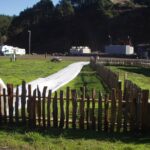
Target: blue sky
(14, 7)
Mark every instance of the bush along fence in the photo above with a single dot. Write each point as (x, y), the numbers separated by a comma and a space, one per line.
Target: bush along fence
(126, 112)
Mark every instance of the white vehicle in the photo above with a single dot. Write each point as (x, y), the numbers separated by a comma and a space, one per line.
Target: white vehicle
(119, 49)
(80, 50)
(9, 50)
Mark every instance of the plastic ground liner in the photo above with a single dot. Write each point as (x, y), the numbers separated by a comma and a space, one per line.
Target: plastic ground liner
(57, 80)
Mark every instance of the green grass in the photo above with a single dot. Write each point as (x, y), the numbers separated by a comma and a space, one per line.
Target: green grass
(138, 75)
(55, 139)
(28, 69)
(89, 79)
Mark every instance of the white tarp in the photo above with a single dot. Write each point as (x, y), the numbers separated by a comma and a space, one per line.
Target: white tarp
(57, 80)
(2, 85)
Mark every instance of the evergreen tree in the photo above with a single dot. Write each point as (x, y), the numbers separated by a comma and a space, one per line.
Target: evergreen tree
(65, 8)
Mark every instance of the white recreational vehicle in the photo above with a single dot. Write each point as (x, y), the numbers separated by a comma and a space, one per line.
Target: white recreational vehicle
(119, 49)
(9, 50)
(80, 50)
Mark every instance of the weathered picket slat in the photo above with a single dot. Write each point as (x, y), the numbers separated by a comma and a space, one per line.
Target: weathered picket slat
(39, 107)
(93, 110)
(100, 112)
(138, 112)
(113, 110)
(29, 108)
(132, 110)
(32, 119)
(119, 114)
(23, 102)
(16, 106)
(0, 106)
(34, 107)
(81, 120)
(49, 109)
(43, 106)
(88, 112)
(67, 107)
(5, 106)
(106, 106)
(62, 113)
(74, 108)
(10, 102)
(126, 111)
(55, 111)
(145, 115)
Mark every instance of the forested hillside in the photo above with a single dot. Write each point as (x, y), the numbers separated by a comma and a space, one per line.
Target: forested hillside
(4, 24)
(57, 28)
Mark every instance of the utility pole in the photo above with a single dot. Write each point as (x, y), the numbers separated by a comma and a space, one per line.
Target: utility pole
(29, 31)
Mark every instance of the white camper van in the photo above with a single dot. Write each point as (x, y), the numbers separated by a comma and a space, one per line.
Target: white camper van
(9, 50)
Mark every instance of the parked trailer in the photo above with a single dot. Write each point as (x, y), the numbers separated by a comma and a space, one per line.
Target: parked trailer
(80, 50)
(9, 50)
(119, 49)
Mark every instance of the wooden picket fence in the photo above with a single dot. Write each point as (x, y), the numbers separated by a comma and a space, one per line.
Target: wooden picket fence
(110, 78)
(125, 62)
(115, 112)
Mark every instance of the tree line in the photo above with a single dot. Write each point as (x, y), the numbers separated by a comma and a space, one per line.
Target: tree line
(78, 22)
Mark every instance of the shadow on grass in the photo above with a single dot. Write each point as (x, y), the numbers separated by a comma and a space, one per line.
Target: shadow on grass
(138, 70)
(81, 134)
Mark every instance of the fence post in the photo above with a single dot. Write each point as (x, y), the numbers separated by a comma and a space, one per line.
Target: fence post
(145, 118)
(10, 102)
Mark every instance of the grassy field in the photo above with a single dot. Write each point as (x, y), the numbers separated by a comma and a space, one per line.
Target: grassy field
(89, 79)
(28, 69)
(16, 138)
(55, 139)
(138, 75)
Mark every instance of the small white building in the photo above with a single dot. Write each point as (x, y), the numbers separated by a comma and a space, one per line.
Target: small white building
(119, 49)
(80, 50)
(9, 50)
